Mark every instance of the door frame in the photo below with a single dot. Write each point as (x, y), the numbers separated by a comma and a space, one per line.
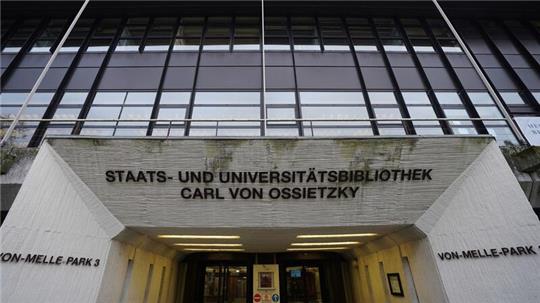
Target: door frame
(304, 263)
(202, 272)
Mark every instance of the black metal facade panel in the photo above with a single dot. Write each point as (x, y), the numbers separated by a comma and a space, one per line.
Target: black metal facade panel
(326, 60)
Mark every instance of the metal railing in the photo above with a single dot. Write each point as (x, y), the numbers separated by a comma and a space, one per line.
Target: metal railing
(217, 124)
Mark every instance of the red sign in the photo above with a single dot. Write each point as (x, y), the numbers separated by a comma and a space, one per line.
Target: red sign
(257, 298)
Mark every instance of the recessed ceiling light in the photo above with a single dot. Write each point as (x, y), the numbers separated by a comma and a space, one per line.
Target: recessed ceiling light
(214, 249)
(325, 243)
(197, 237)
(316, 248)
(209, 244)
(336, 236)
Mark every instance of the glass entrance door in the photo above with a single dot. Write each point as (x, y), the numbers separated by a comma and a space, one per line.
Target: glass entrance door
(225, 284)
(303, 284)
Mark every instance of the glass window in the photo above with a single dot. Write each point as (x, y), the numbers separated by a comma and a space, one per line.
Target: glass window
(388, 113)
(479, 98)
(304, 27)
(277, 43)
(489, 112)
(281, 105)
(332, 98)
(450, 46)
(77, 98)
(67, 113)
(71, 45)
(246, 44)
(182, 44)
(218, 27)
(98, 45)
(247, 27)
(448, 98)
(107, 28)
(13, 46)
(364, 45)
(224, 106)
(135, 113)
(216, 44)
(109, 98)
(415, 98)
(42, 46)
(422, 45)
(419, 107)
(280, 98)
(307, 44)
(536, 96)
(394, 45)
(175, 98)
(226, 112)
(154, 45)
(172, 113)
(162, 27)
(12, 98)
(512, 98)
(19, 98)
(382, 98)
(227, 98)
(141, 98)
(135, 28)
(275, 26)
(97, 112)
(190, 27)
(336, 44)
(334, 106)
(331, 27)
(280, 113)
(128, 45)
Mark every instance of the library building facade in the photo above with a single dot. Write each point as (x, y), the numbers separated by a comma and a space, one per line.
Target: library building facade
(270, 151)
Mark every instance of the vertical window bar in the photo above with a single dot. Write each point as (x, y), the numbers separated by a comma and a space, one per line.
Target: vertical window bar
(155, 109)
(296, 93)
(529, 98)
(59, 93)
(263, 74)
(367, 100)
(534, 30)
(59, 38)
(319, 33)
(521, 47)
(409, 128)
(524, 52)
(232, 32)
(469, 107)
(93, 89)
(145, 36)
(488, 85)
(429, 89)
(189, 110)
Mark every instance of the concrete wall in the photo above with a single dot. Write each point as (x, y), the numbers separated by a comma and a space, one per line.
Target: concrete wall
(154, 204)
(55, 214)
(484, 208)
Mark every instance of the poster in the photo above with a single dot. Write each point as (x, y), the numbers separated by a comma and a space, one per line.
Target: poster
(266, 283)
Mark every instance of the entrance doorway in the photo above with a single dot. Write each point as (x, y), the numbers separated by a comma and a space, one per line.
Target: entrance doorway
(303, 284)
(225, 284)
(229, 278)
